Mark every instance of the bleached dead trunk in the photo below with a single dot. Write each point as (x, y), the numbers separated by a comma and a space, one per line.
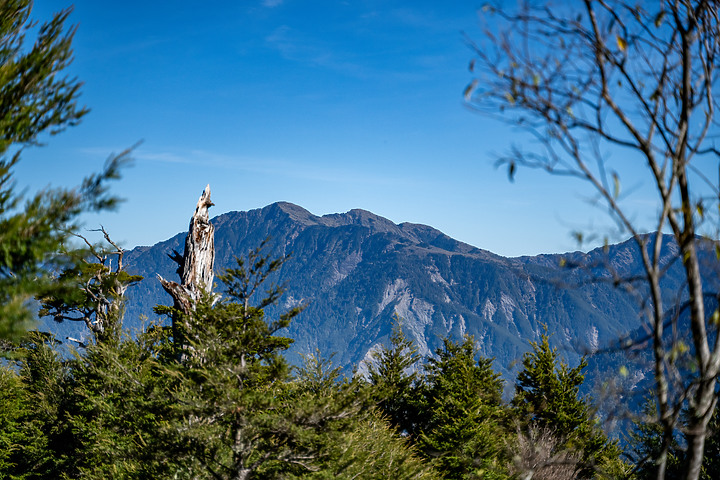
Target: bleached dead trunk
(195, 267)
(199, 257)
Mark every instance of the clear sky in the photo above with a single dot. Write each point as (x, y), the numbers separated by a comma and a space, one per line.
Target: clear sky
(331, 105)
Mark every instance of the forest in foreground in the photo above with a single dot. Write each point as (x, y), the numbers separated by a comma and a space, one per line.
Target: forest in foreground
(210, 395)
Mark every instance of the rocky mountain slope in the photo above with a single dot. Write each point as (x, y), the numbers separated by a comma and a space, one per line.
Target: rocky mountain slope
(356, 270)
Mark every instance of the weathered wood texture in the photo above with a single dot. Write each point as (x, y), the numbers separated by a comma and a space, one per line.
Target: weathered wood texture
(195, 266)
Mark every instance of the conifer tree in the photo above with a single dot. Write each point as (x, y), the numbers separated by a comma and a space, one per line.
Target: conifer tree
(114, 406)
(235, 411)
(36, 100)
(38, 452)
(227, 413)
(11, 410)
(392, 381)
(354, 439)
(547, 396)
(460, 415)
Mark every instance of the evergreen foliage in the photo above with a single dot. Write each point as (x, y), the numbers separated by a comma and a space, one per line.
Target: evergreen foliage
(37, 453)
(547, 397)
(460, 413)
(232, 408)
(88, 288)
(393, 382)
(36, 100)
(114, 409)
(11, 434)
(372, 450)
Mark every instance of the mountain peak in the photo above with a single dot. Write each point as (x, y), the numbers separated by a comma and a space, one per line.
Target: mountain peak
(295, 212)
(357, 216)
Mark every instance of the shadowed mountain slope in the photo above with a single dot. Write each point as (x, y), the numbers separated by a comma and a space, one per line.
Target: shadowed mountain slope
(356, 269)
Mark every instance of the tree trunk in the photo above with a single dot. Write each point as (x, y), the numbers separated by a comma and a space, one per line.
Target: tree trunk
(195, 266)
(700, 414)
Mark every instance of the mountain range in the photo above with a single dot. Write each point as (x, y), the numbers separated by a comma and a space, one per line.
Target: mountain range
(356, 270)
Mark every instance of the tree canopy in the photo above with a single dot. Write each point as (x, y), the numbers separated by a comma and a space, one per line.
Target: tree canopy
(36, 101)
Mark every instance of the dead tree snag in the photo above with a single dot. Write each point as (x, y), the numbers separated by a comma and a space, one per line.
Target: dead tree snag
(195, 268)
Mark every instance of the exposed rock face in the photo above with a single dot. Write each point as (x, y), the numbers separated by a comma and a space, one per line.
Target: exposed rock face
(357, 269)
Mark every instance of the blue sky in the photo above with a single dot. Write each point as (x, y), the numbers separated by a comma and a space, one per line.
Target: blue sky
(331, 105)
